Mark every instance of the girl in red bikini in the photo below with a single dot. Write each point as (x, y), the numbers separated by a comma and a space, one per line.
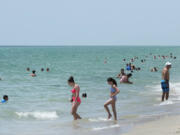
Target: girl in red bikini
(76, 101)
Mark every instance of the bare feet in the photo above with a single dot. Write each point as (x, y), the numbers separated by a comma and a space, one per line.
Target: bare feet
(109, 116)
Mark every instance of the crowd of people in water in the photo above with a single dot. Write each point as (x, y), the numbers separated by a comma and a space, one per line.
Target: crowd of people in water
(114, 90)
(34, 71)
(124, 78)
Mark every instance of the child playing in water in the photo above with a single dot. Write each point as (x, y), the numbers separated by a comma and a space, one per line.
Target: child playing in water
(113, 92)
(5, 99)
(33, 73)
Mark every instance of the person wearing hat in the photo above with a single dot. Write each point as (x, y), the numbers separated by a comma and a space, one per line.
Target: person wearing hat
(165, 81)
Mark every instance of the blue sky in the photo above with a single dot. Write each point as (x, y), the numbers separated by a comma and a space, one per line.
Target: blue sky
(90, 22)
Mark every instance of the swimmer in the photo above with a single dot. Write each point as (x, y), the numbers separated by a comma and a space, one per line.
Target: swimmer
(113, 97)
(154, 69)
(5, 99)
(133, 67)
(33, 73)
(28, 69)
(76, 101)
(105, 61)
(121, 73)
(128, 67)
(165, 81)
(132, 60)
(84, 95)
(125, 79)
(47, 69)
(42, 69)
(138, 68)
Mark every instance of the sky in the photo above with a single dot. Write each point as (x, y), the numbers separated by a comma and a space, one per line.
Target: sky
(89, 22)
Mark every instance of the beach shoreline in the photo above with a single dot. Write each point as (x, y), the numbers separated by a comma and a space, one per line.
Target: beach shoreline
(168, 125)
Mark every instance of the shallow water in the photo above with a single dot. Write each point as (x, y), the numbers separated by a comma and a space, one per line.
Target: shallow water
(41, 105)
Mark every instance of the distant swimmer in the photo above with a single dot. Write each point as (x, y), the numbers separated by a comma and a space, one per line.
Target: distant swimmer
(154, 69)
(165, 81)
(128, 67)
(125, 79)
(76, 101)
(28, 69)
(47, 69)
(5, 99)
(33, 73)
(133, 67)
(84, 95)
(113, 98)
(138, 69)
(105, 61)
(121, 73)
(42, 69)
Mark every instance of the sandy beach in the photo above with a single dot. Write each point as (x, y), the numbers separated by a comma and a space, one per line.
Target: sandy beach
(164, 126)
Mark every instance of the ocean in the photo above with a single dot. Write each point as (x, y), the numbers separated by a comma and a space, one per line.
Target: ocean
(40, 105)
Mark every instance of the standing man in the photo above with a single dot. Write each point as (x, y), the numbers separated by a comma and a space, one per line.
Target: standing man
(165, 81)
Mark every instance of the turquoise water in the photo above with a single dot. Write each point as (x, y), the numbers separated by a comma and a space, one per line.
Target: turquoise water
(41, 105)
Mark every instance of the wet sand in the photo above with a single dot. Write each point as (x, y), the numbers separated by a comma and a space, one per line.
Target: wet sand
(169, 125)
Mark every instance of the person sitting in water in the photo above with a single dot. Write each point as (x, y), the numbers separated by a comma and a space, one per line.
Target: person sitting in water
(154, 69)
(28, 69)
(42, 69)
(33, 73)
(84, 95)
(133, 67)
(5, 99)
(47, 69)
(125, 79)
(121, 73)
(128, 67)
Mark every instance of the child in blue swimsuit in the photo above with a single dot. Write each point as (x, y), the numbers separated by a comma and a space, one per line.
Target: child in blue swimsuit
(5, 99)
(113, 98)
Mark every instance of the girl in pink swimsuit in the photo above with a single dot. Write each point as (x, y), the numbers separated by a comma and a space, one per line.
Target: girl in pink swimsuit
(76, 101)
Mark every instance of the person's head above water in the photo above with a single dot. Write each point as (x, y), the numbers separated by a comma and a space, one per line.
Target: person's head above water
(42, 69)
(5, 97)
(122, 70)
(47, 69)
(71, 81)
(34, 71)
(129, 75)
(28, 69)
(168, 65)
(111, 81)
(84, 95)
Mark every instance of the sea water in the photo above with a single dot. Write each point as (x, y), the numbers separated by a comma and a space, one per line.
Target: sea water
(40, 105)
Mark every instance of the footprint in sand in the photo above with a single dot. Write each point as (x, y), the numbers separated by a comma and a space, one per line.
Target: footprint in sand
(178, 132)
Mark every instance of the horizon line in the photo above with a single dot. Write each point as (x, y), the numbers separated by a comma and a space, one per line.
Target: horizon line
(89, 45)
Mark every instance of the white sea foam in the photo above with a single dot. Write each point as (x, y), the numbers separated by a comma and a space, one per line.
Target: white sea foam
(106, 127)
(99, 119)
(167, 103)
(38, 115)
